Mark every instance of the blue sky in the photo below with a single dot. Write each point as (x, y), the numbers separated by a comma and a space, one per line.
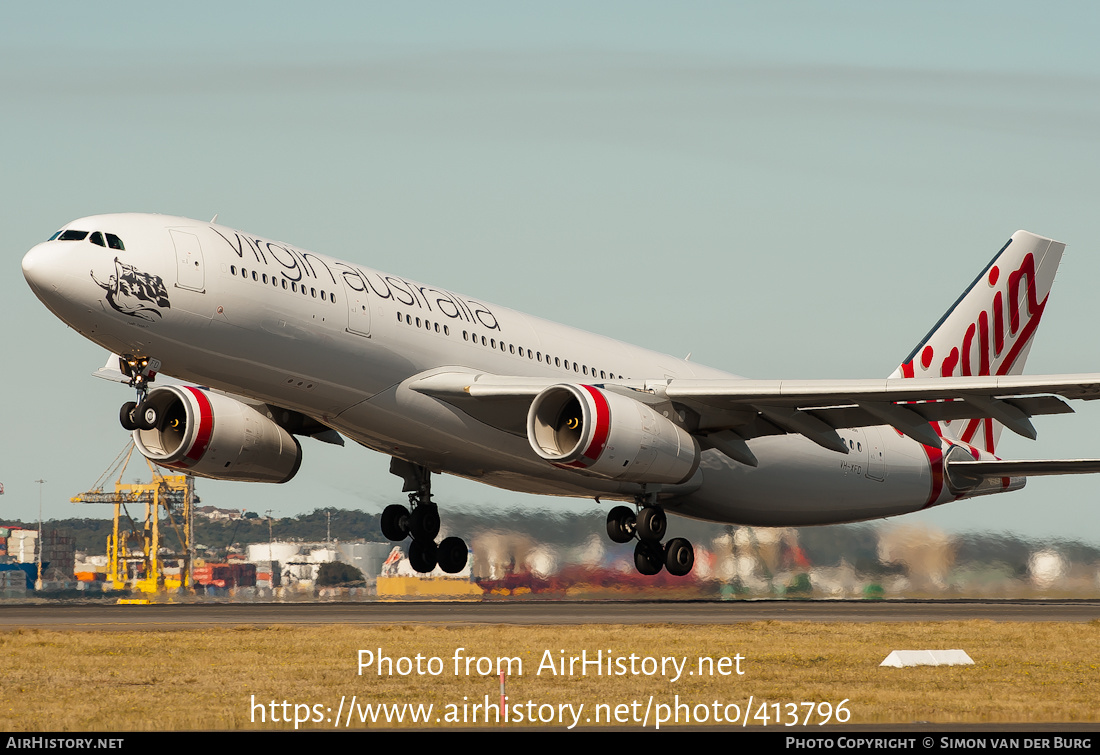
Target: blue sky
(783, 190)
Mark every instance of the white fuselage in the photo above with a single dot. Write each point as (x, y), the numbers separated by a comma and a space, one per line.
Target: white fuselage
(340, 342)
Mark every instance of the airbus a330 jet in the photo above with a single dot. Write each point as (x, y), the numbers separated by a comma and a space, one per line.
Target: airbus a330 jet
(273, 342)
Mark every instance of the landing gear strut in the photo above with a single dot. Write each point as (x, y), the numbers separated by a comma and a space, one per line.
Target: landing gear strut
(137, 415)
(422, 522)
(649, 526)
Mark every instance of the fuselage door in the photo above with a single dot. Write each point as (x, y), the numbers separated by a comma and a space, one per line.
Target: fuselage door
(189, 266)
(358, 312)
(876, 454)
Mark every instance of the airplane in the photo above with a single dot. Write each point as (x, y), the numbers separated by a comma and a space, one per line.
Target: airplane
(273, 342)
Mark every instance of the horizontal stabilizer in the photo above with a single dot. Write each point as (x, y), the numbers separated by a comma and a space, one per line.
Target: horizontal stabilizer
(983, 470)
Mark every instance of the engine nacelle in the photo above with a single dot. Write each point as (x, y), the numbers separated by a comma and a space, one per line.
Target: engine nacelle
(583, 428)
(212, 435)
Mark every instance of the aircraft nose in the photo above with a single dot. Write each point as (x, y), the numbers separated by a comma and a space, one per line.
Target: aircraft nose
(36, 265)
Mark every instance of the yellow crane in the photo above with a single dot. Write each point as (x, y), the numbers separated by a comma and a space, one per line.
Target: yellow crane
(134, 557)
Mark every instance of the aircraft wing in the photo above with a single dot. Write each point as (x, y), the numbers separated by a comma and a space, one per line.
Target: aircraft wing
(725, 413)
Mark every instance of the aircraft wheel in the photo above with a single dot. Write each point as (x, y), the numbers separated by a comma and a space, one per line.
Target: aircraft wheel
(127, 416)
(422, 555)
(395, 522)
(679, 556)
(146, 416)
(648, 558)
(652, 524)
(424, 522)
(453, 553)
(621, 523)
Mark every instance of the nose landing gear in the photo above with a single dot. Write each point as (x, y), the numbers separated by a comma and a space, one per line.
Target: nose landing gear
(137, 415)
(649, 526)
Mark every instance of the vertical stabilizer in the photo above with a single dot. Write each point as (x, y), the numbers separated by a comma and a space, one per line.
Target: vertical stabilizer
(990, 329)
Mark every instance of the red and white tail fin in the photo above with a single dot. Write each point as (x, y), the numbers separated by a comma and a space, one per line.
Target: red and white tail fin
(990, 329)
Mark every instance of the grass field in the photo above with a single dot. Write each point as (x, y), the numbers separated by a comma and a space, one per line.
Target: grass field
(229, 678)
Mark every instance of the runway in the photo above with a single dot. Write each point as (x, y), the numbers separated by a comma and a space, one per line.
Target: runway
(197, 615)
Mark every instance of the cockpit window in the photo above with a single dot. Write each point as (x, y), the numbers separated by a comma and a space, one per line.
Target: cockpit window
(97, 239)
(114, 242)
(51, 238)
(72, 235)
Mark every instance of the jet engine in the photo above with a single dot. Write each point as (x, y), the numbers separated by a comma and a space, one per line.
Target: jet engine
(605, 434)
(212, 435)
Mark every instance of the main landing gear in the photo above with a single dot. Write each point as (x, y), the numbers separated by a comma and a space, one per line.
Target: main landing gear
(649, 526)
(422, 522)
(137, 415)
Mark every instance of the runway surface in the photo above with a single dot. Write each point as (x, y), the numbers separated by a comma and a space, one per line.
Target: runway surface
(182, 616)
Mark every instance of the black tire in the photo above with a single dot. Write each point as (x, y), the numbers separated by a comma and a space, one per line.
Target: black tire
(422, 556)
(126, 416)
(424, 522)
(146, 416)
(621, 523)
(395, 523)
(649, 558)
(452, 555)
(679, 557)
(652, 524)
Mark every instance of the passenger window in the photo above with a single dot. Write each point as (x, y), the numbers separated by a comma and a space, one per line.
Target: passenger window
(97, 239)
(114, 242)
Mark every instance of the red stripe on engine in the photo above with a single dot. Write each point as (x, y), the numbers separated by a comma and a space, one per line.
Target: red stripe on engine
(205, 428)
(601, 429)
